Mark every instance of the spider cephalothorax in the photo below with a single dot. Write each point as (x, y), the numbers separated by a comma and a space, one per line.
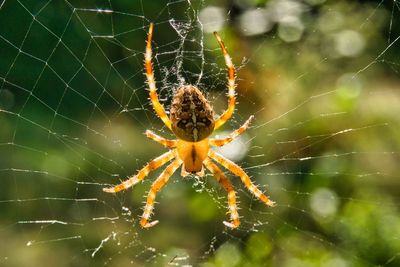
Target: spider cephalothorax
(192, 121)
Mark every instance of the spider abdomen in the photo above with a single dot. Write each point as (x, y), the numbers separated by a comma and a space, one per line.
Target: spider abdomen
(192, 118)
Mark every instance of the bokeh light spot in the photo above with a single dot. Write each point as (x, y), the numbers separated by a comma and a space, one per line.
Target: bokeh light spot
(348, 86)
(254, 22)
(349, 43)
(291, 30)
(285, 10)
(259, 246)
(227, 255)
(212, 18)
(324, 202)
(330, 21)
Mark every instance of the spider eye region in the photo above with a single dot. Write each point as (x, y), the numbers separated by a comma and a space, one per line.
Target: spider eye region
(192, 118)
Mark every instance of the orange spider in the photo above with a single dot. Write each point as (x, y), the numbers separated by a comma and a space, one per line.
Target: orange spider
(192, 121)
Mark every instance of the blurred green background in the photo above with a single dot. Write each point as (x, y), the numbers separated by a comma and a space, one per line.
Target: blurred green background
(321, 78)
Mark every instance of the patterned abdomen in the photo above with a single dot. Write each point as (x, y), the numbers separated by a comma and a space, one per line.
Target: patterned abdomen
(192, 118)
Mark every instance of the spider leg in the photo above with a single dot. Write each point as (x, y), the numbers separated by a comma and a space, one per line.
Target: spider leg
(231, 84)
(161, 140)
(235, 169)
(157, 185)
(152, 165)
(152, 84)
(216, 142)
(227, 185)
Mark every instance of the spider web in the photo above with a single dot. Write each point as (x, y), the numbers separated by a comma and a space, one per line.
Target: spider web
(320, 77)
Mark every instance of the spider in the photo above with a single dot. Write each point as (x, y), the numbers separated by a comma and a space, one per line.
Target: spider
(192, 121)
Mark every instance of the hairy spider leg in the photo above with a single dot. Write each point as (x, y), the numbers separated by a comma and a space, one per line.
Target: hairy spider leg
(235, 169)
(157, 185)
(161, 140)
(233, 135)
(152, 84)
(231, 85)
(227, 185)
(152, 165)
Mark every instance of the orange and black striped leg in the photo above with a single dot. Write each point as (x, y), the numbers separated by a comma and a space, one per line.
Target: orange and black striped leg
(152, 165)
(235, 169)
(161, 140)
(152, 84)
(227, 185)
(215, 142)
(157, 185)
(231, 85)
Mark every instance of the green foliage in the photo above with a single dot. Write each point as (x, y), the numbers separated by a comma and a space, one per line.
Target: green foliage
(322, 80)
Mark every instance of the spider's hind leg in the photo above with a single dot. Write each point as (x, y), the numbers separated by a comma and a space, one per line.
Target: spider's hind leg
(235, 169)
(152, 165)
(157, 185)
(227, 185)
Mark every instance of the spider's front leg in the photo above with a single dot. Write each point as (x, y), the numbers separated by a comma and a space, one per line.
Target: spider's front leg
(152, 165)
(157, 185)
(235, 169)
(231, 85)
(227, 185)
(152, 84)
